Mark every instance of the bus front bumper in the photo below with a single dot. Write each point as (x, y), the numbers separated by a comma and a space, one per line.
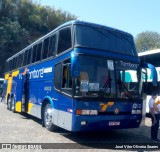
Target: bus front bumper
(99, 123)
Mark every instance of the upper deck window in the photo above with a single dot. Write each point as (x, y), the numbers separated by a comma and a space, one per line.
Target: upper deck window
(64, 41)
(104, 39)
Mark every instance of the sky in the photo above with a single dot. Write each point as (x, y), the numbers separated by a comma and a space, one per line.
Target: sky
(132, 16)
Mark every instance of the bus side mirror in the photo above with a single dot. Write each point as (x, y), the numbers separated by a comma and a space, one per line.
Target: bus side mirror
(75, 65)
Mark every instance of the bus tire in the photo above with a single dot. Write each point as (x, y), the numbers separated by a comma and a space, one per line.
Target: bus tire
(9, 104)
(12, 105)
(47, 118)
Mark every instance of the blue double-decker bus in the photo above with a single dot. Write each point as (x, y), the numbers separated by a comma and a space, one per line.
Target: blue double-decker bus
(81, 77)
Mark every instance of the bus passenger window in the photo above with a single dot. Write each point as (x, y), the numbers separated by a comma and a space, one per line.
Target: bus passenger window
(39, 48)
(28, 56)
(14, 62)
(67, 81)
(10, 65)
(64, 77)
(66, 85)
(34, 53)
(57, 76)
(22, 60)
(18, 61)
(45, 48)
(13, 67)
(52, 46)
(19, 58)
(64, 42)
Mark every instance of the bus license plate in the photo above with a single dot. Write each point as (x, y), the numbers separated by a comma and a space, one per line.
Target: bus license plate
(114, 123)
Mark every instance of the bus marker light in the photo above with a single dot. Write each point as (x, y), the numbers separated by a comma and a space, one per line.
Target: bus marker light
(78, 112)
(134, 112)
(70, 110)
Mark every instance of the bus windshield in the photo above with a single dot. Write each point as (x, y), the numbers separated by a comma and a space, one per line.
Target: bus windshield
(94, 73)
(99, 77)
(104, 39)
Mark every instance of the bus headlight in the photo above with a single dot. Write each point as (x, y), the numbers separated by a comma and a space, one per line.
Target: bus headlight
(136, 108)
(136, 111)
(93, 112)
(139, 111)
(86, 112)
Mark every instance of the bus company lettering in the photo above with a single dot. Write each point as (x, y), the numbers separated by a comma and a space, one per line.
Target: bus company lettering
(128, 64)
(36, 73)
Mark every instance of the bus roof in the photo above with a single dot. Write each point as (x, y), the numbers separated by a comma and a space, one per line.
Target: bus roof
(73, 22)
(95, 25)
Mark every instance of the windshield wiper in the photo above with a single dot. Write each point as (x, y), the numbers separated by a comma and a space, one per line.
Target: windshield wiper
(107, 84)
(126, 91)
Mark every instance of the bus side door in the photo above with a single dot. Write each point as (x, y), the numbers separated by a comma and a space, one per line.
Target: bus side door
(25, 95)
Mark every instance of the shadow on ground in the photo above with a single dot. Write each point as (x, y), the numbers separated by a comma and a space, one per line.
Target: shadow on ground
(106, 139)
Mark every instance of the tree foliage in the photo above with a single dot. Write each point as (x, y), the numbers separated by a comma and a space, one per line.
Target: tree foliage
(22, 22)
(147, 41)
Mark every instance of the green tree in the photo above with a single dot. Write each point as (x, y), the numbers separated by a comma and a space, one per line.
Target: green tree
(12, 38)
(22, 22)
(147, 41)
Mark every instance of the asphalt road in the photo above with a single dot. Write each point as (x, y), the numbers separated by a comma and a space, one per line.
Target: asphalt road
(24, 129)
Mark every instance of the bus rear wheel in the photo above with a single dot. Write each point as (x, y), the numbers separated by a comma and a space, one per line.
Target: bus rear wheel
(12, 105)
(47, 118)
(9, 104)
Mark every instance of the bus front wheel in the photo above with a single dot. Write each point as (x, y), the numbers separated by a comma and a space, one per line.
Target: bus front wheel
(47, 118)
